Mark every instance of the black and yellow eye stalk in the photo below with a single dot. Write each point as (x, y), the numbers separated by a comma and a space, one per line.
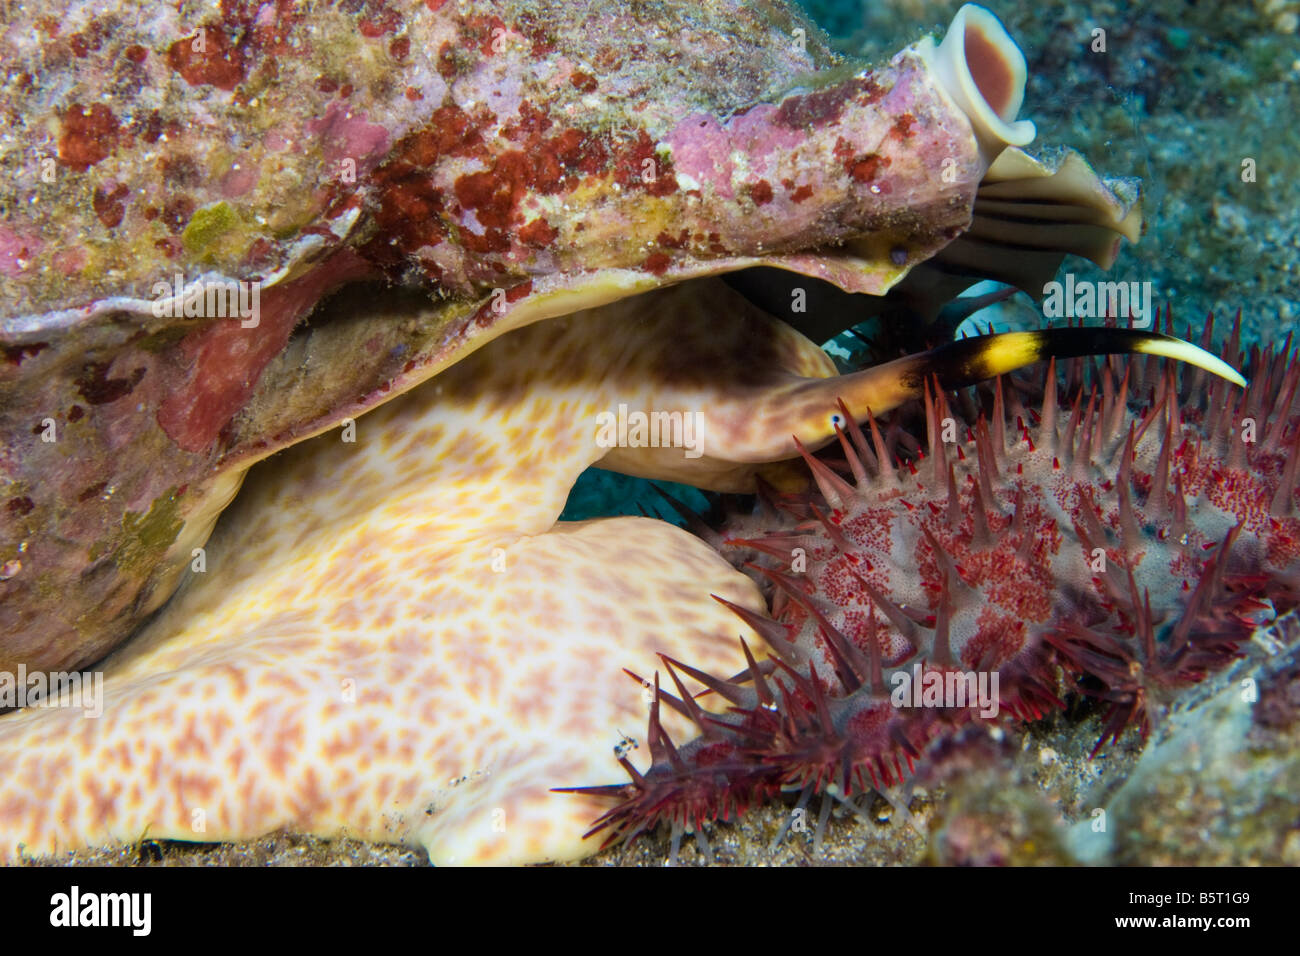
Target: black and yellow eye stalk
(977, 359)
(809, 403)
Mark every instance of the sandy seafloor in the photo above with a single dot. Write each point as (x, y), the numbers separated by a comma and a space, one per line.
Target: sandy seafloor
(1184, 93)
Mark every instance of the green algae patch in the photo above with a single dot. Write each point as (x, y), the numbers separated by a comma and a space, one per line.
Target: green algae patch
(215, 232)
(146, 536)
